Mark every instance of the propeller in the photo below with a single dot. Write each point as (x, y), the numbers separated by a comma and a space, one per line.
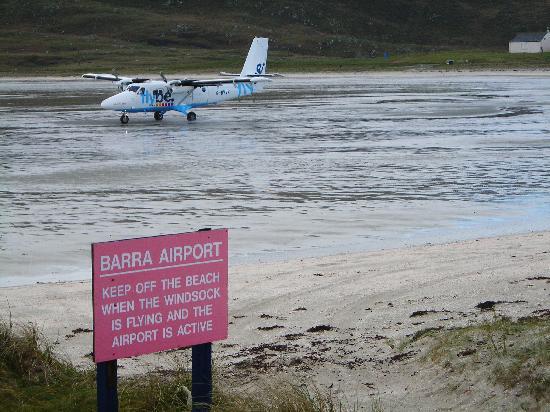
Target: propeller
(163, 77)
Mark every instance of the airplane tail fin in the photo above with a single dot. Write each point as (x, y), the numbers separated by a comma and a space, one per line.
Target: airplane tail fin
(256, 61)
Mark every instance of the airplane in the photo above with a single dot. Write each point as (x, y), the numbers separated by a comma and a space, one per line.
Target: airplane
(160, 96)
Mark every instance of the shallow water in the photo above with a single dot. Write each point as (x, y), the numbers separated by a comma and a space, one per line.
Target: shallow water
(317, 165)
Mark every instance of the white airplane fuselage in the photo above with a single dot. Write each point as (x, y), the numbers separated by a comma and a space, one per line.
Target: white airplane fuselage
(159, 96)
(183, 95)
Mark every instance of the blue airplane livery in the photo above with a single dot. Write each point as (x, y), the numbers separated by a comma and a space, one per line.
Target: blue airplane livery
(141, 95)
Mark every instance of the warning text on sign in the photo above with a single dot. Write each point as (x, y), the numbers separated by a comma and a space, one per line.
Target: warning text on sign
(159, 293)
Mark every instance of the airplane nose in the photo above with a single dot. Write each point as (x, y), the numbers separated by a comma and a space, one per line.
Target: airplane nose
(108, 103)
(121, 101)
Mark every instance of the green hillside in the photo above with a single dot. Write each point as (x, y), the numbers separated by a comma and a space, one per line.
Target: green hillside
(41, 36)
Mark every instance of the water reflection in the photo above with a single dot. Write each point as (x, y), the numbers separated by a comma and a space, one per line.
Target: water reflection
(318, 165)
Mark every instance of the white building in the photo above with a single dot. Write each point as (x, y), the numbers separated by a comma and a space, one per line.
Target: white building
(531, 43)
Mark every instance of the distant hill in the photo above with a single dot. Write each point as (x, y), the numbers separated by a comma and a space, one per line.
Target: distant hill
(347, 28)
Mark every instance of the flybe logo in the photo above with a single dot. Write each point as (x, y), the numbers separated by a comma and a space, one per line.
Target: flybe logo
(157, 98)
(260, 68)
(147, 98)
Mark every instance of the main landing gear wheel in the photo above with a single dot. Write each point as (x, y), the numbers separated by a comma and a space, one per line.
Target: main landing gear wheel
(159, 115)
(124, 118)
(191, 116)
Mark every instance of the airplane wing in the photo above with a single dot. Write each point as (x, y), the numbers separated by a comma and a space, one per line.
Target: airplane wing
(214, 82)
(113, 78)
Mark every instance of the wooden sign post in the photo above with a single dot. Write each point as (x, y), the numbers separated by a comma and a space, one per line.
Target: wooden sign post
(201, 377)
(106, 380)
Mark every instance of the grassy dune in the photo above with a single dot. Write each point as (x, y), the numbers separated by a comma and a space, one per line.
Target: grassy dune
(512, 355)
(72, 56)
(33, 379)
(504, 354)
(69, 37)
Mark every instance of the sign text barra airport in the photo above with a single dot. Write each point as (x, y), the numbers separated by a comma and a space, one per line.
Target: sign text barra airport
(159, 293)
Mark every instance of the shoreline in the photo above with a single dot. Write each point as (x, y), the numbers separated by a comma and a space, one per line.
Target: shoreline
(364, 301)
(481, 71)
(275, 260)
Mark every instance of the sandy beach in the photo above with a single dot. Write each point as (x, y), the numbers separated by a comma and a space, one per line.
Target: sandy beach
(331, 321)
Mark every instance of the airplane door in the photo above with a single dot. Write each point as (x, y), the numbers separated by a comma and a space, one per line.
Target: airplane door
(183, 95)
(206, 94)
(213, 92)
(200, 95)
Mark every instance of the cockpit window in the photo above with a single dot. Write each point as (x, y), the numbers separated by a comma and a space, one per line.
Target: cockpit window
(133, 89)
(141, 91)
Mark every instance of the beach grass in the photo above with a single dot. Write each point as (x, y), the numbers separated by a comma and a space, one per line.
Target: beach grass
(32, 378)
(512, 353)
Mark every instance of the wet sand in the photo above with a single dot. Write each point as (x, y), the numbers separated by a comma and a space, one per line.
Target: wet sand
(329, 321)
(318, 165)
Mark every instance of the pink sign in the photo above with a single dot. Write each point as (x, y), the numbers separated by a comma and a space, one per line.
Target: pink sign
(159, 293)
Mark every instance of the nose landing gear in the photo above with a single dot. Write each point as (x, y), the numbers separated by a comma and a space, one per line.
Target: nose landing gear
(124, 119)
(191, 116)
(158, 116)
